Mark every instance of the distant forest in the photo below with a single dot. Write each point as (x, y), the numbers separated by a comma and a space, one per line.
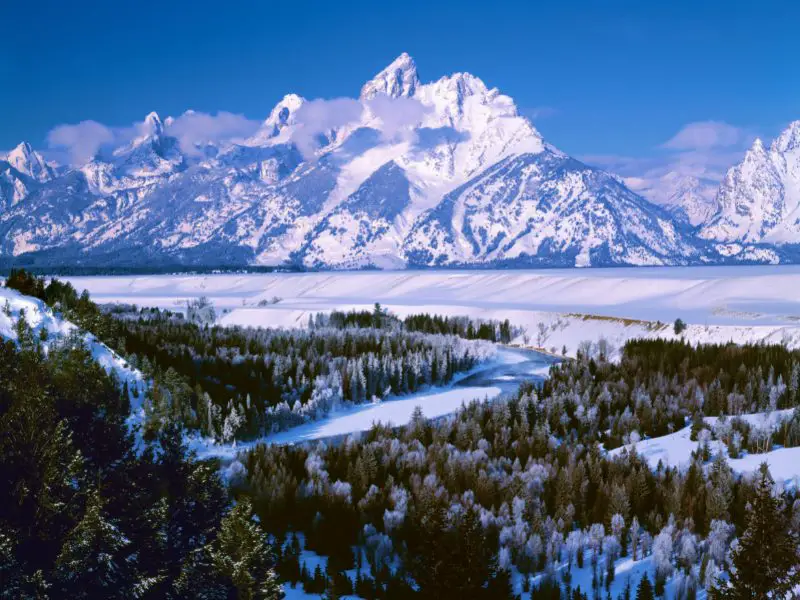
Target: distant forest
(73, 270)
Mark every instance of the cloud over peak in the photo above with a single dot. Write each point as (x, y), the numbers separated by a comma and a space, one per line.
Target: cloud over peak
(81, 142)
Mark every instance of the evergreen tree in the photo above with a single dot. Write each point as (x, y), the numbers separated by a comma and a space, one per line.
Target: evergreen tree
(626, 594)
(765, 561)
(10, 572)
(90, 564)
(645, 589)
(242, 554)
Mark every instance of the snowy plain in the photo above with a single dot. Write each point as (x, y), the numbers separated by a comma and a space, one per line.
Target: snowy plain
(557, 307)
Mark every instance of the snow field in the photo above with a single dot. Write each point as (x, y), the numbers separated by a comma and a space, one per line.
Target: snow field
(556, 308)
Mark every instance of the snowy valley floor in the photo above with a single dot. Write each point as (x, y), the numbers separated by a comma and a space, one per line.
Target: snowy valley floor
(557, 308)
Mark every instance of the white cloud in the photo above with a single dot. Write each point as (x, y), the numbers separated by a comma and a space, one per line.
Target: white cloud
(318, 117)
(398, 116)
(194, 130)
(537, 113)
(80, 141)
(395, 118)
(702, 135)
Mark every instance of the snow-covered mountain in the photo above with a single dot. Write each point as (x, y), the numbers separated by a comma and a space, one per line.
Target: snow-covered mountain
(546, 208)
(760, 197)
(21, 171)
(409, 174)
(689, 198)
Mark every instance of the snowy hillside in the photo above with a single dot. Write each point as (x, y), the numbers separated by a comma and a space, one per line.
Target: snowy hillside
(675, 449)
(409, 174)
(42, 319)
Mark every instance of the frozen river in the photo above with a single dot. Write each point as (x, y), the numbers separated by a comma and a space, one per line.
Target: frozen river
(501, 375)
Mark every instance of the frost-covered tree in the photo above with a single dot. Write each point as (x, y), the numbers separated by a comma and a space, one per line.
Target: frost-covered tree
(662, 556)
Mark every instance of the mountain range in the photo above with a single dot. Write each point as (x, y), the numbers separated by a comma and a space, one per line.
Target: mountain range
(411, 174)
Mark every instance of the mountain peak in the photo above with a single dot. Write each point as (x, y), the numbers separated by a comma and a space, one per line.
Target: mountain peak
(23, 149)
(29, 162)
(789, 139)
(152, 125)
(281, 115)
(756, 149)
(399, 79)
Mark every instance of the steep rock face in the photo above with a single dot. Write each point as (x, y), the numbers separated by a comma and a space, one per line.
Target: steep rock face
(760, 197)
(420, 174)
(59, 214)
(22, 172)
(30, 163)
(399, 79)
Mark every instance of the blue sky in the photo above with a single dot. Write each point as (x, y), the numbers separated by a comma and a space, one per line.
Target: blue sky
(600, 79)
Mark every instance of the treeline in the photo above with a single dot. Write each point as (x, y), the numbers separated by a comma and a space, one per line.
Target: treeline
(464, 327)
(63, 298)
(525, 483)
(87, 511)
(235, 383)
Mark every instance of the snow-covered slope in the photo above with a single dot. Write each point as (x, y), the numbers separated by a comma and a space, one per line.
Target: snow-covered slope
(760, 197)
(546, 208)
(21, 172)
(691, 199)
(41, 318)
(409, 174)
(675, 449)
